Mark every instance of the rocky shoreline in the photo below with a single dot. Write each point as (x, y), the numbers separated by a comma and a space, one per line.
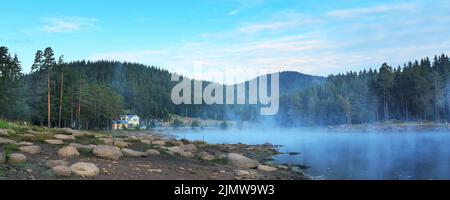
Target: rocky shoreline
(35, 153)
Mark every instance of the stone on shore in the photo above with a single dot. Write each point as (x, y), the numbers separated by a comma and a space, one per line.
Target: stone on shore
(6, 141)
(54, 163)
(175, 150)
(205, 156)
(32, 150)
(21, 144)
(62, 171)
(4, 133)
(189, 148)
(85, 169)
(133, 153)
(159, 143)
(54, 142)
(68, 152)
(241, 161)
(64, 137)
(152, 152)
(108, 152)
(187, 154)
(267, 168)
(17, 158)
(82, 147)
(2, 158)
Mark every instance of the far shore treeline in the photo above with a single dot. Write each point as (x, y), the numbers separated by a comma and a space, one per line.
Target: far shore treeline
(89, 95)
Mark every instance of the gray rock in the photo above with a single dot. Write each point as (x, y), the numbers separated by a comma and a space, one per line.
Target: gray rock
(54, 163)
(187, 154)
(6, 141)
(133, 153)
(68, 152)
(159, 143)
(54, 142)
(108, 152)
(62, 171)
(205, 156)
(241, 161)
(152, 152)
(17, 158)
(4, 133)
(21, 144)
(267, 168)
(32, 150)
(190, 148)
(64, 137)
(2, 158)
(82, 147)
(85, 169)
(175, 149)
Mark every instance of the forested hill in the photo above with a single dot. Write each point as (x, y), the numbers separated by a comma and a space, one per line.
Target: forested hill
(89, 94)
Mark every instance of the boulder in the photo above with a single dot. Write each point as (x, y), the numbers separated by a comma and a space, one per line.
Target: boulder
(82, 147)
(108, 152)
(175, 149)
(152, 152)
(133, 153)
(2, 158)
(241, 161)
(64, 137)
(187, 154)
(17, 158)
(85, 169)
(21, 144)
(121, 143)
(54, 163)
(149, 142)
(62, 171)
(71, 131)
(205, 156)
(54, 142)
(190, 148)
(32, 150)
(6, 141)
(159, 143)
(267, 168)
(4, 133)
(107, 141)
(68, 152)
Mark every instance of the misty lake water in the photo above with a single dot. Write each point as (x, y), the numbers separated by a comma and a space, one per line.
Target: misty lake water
(392, 156)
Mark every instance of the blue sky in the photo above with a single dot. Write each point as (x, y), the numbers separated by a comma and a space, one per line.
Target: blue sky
(309, 36)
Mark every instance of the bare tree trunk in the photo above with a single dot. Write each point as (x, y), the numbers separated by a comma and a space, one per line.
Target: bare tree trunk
(49, 122)
(61, 99)
(79, 106)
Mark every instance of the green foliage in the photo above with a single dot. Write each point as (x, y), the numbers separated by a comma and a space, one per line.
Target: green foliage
(178, 123)
(195, 124)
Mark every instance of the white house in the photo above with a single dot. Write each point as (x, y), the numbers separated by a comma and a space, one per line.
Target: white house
(133, 120)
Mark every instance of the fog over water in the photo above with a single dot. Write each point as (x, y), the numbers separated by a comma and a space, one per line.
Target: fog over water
(332, 155)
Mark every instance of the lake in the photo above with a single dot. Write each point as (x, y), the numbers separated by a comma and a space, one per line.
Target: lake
(347, 156)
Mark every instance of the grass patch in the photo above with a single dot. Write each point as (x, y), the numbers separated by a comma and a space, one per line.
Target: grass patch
(87, 140)
(5, 125)
(8, 149)
(40, 137)
(38, 128)
(138, 146)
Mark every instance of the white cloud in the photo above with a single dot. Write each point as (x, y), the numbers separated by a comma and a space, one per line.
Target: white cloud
(67, 24)
(388, 8)
(319, 44)
(234, 12)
